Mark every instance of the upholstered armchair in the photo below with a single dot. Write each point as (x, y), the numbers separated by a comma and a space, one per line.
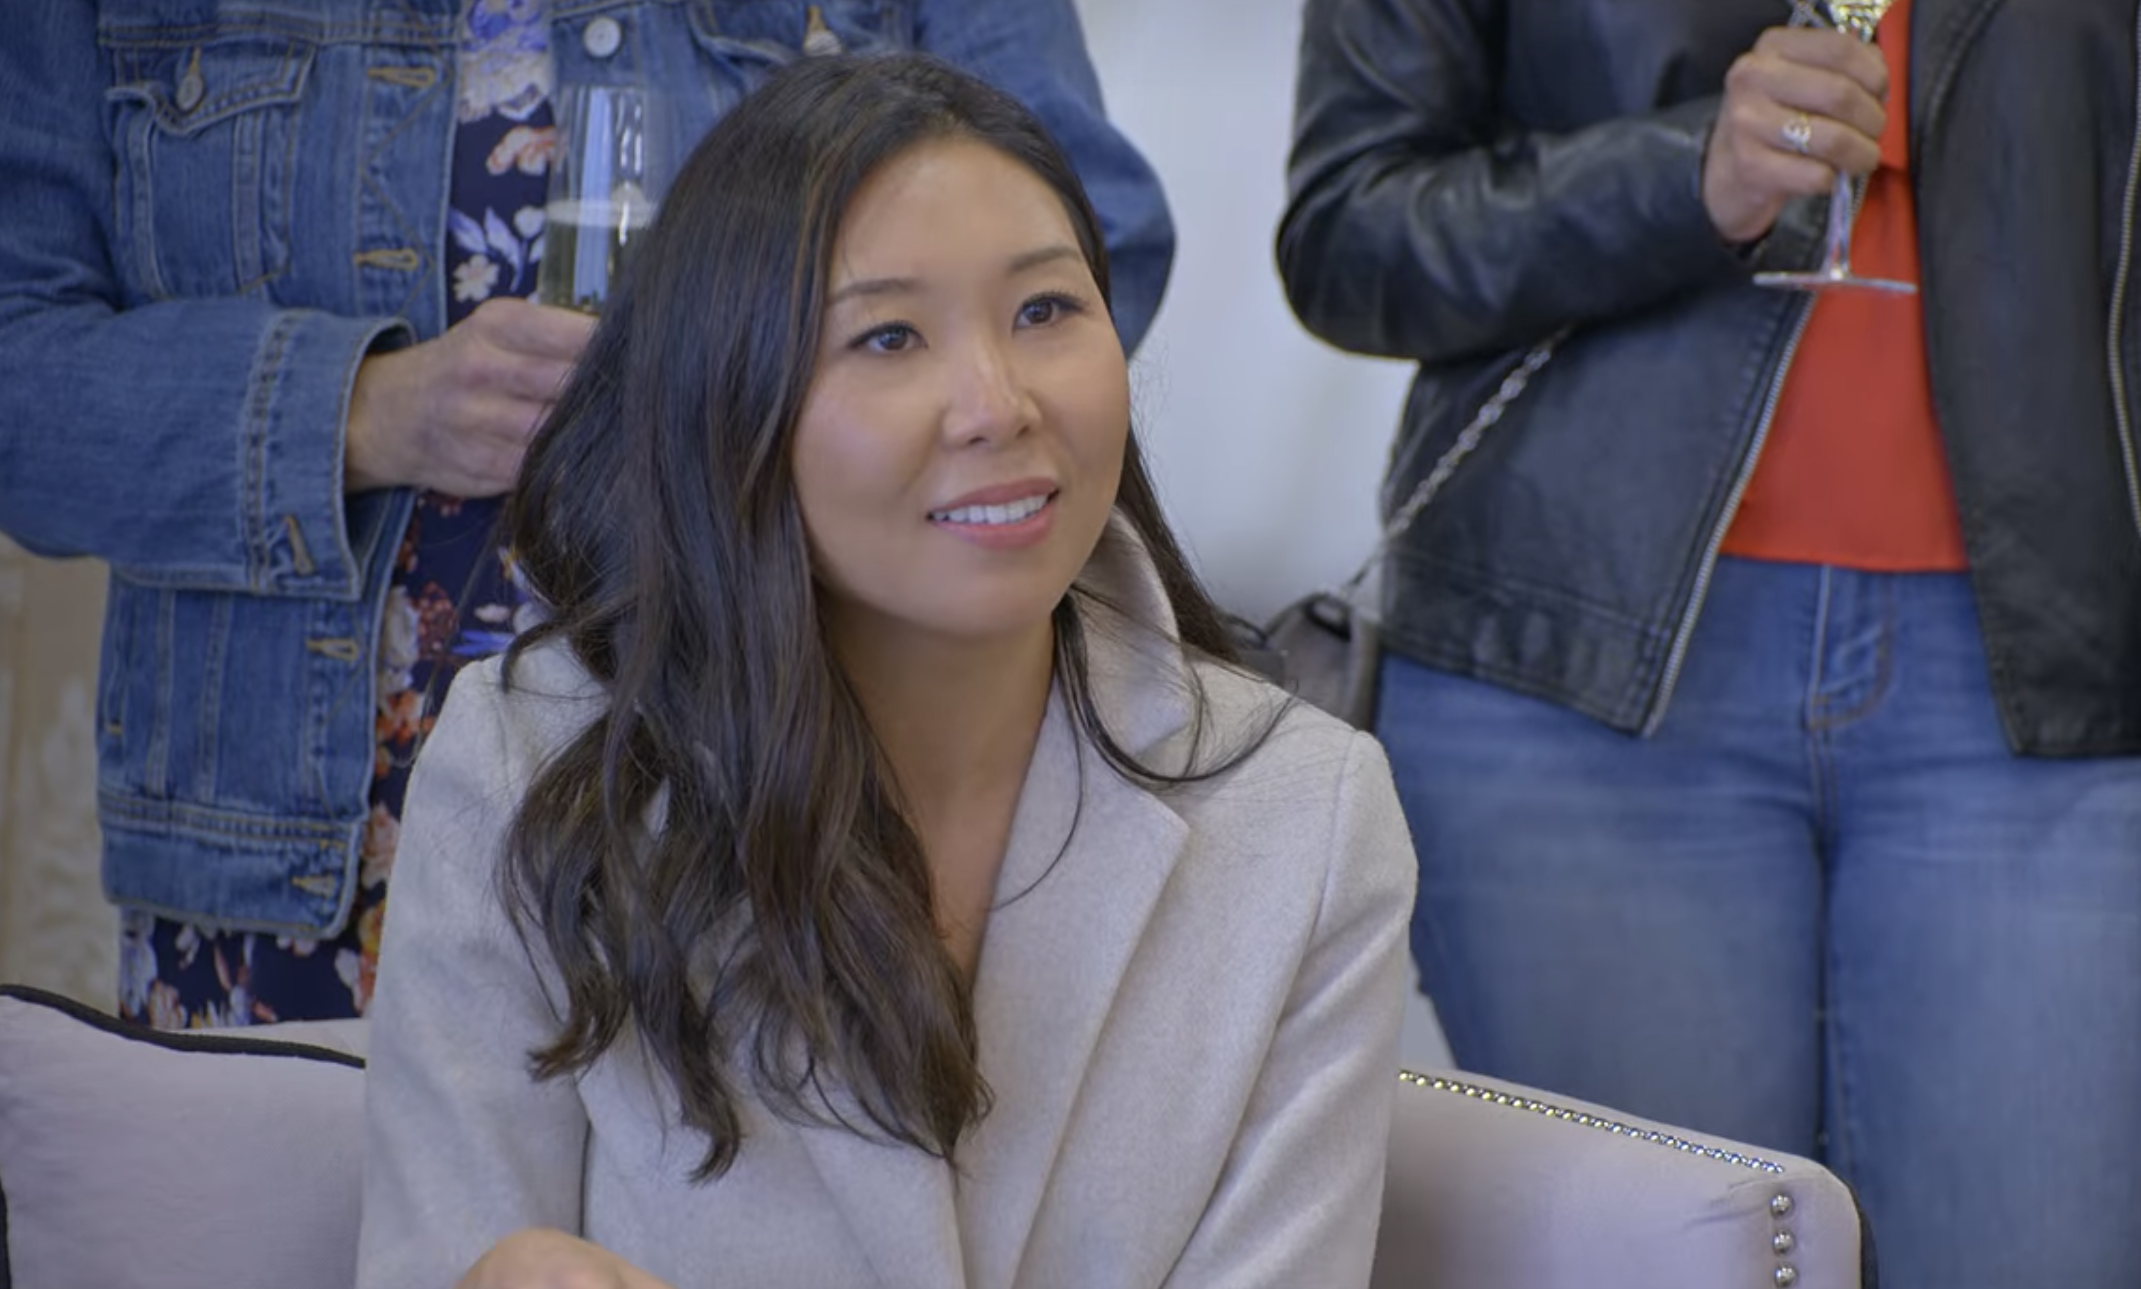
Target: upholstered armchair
(132, 1160)
(1495, 1186)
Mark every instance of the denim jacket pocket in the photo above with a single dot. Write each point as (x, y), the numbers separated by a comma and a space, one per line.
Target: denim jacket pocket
(745, 41)
(206, 136)
(780, 28)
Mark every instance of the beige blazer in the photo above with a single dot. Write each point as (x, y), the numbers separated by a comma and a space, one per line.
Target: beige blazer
(1189, 1021)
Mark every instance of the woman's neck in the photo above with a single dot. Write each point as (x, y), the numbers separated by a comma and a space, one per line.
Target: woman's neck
(957, 719)
(958, 723)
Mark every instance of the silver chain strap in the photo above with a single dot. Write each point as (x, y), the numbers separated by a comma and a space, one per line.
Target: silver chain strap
(1468, 441)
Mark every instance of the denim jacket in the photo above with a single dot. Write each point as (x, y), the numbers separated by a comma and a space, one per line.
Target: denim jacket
(211, 211)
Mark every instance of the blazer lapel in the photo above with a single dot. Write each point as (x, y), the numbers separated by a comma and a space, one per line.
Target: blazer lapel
(1089, 859)
(897, 1202)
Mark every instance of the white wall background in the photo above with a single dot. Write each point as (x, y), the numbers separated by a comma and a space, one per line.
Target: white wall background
(1267, 444)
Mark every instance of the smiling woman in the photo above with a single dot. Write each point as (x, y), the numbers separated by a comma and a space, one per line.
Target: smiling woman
(873, 870)
(960, 449)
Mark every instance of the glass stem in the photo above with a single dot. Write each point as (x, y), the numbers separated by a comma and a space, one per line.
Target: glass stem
(1843, 208)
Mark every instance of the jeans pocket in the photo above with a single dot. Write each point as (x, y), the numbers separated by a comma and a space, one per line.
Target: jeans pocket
(206, 132)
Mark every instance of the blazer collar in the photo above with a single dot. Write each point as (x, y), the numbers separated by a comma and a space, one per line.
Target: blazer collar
(1141, 684)
(1090, 854)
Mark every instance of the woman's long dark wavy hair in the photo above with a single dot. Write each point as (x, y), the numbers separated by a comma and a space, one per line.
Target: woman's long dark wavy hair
(719, 865)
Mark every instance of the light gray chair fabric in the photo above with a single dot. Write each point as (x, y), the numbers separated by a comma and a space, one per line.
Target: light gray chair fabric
(1496, 1186)
(132, 1160)
(136, 1160)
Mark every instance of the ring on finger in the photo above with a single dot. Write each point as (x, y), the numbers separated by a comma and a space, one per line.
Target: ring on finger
(1799, 133)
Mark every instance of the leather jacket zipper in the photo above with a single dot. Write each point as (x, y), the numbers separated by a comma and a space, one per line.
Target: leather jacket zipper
(2116, 331)
(1686, 630)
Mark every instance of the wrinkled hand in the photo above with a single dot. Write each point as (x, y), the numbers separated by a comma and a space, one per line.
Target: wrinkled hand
(455, 413)
(538, 1258)
(1751, 168)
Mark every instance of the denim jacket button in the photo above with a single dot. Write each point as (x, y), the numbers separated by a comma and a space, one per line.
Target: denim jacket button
(191, 89)
(602, 37)
(819, 39)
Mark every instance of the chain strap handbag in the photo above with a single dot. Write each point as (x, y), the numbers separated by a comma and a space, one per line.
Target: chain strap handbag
(1325, 647)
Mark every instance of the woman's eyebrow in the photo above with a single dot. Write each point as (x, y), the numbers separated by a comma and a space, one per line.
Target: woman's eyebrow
(1024, 262)
(1045, 255)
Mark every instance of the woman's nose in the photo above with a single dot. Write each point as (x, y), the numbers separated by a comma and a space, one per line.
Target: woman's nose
(989, 401)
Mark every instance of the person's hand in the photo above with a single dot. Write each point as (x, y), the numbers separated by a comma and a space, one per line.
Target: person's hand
(538, 1258)
(1800, 106)
(455, 413)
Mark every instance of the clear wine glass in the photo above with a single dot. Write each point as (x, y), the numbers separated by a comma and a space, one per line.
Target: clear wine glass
(1858, 18)
(613, 160)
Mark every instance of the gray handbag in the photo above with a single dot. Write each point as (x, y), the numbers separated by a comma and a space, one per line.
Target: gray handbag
(1325, 647)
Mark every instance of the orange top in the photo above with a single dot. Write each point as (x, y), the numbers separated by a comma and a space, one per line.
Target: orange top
(1853, 473)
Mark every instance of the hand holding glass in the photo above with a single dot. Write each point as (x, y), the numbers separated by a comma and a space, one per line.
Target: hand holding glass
(611, 166)
(1859, 18)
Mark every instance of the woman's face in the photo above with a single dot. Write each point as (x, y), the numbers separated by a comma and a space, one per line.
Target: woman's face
(959, 450)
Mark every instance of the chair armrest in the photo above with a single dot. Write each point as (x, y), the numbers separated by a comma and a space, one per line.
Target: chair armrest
(349, 1037)
(1496, 1186)
(133, 1159)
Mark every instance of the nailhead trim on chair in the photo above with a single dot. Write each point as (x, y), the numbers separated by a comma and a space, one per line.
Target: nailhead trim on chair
(1586, 1120)
(1780, 1207)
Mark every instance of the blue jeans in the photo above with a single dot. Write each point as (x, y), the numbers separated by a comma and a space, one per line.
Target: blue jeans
(1823, 910)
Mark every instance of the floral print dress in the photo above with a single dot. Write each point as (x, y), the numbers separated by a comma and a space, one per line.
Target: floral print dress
(452, 598)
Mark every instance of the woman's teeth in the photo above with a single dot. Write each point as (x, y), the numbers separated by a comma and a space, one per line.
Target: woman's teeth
(1014, 512)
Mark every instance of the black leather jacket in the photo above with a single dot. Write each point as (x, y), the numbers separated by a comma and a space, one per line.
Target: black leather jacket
(1470, 176)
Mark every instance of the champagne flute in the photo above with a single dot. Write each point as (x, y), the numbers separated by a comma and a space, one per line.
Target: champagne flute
(1859, 18)
(611, 165)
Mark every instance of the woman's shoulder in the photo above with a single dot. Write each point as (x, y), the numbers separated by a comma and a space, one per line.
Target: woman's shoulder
(520, 708)
(1235, 694)
(1274, 735)
(1308, 798)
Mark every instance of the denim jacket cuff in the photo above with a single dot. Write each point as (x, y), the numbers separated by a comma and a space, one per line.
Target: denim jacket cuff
(297, 416)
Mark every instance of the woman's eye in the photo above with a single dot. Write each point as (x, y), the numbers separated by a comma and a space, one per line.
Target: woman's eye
(892, 338)
(1044, 309)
